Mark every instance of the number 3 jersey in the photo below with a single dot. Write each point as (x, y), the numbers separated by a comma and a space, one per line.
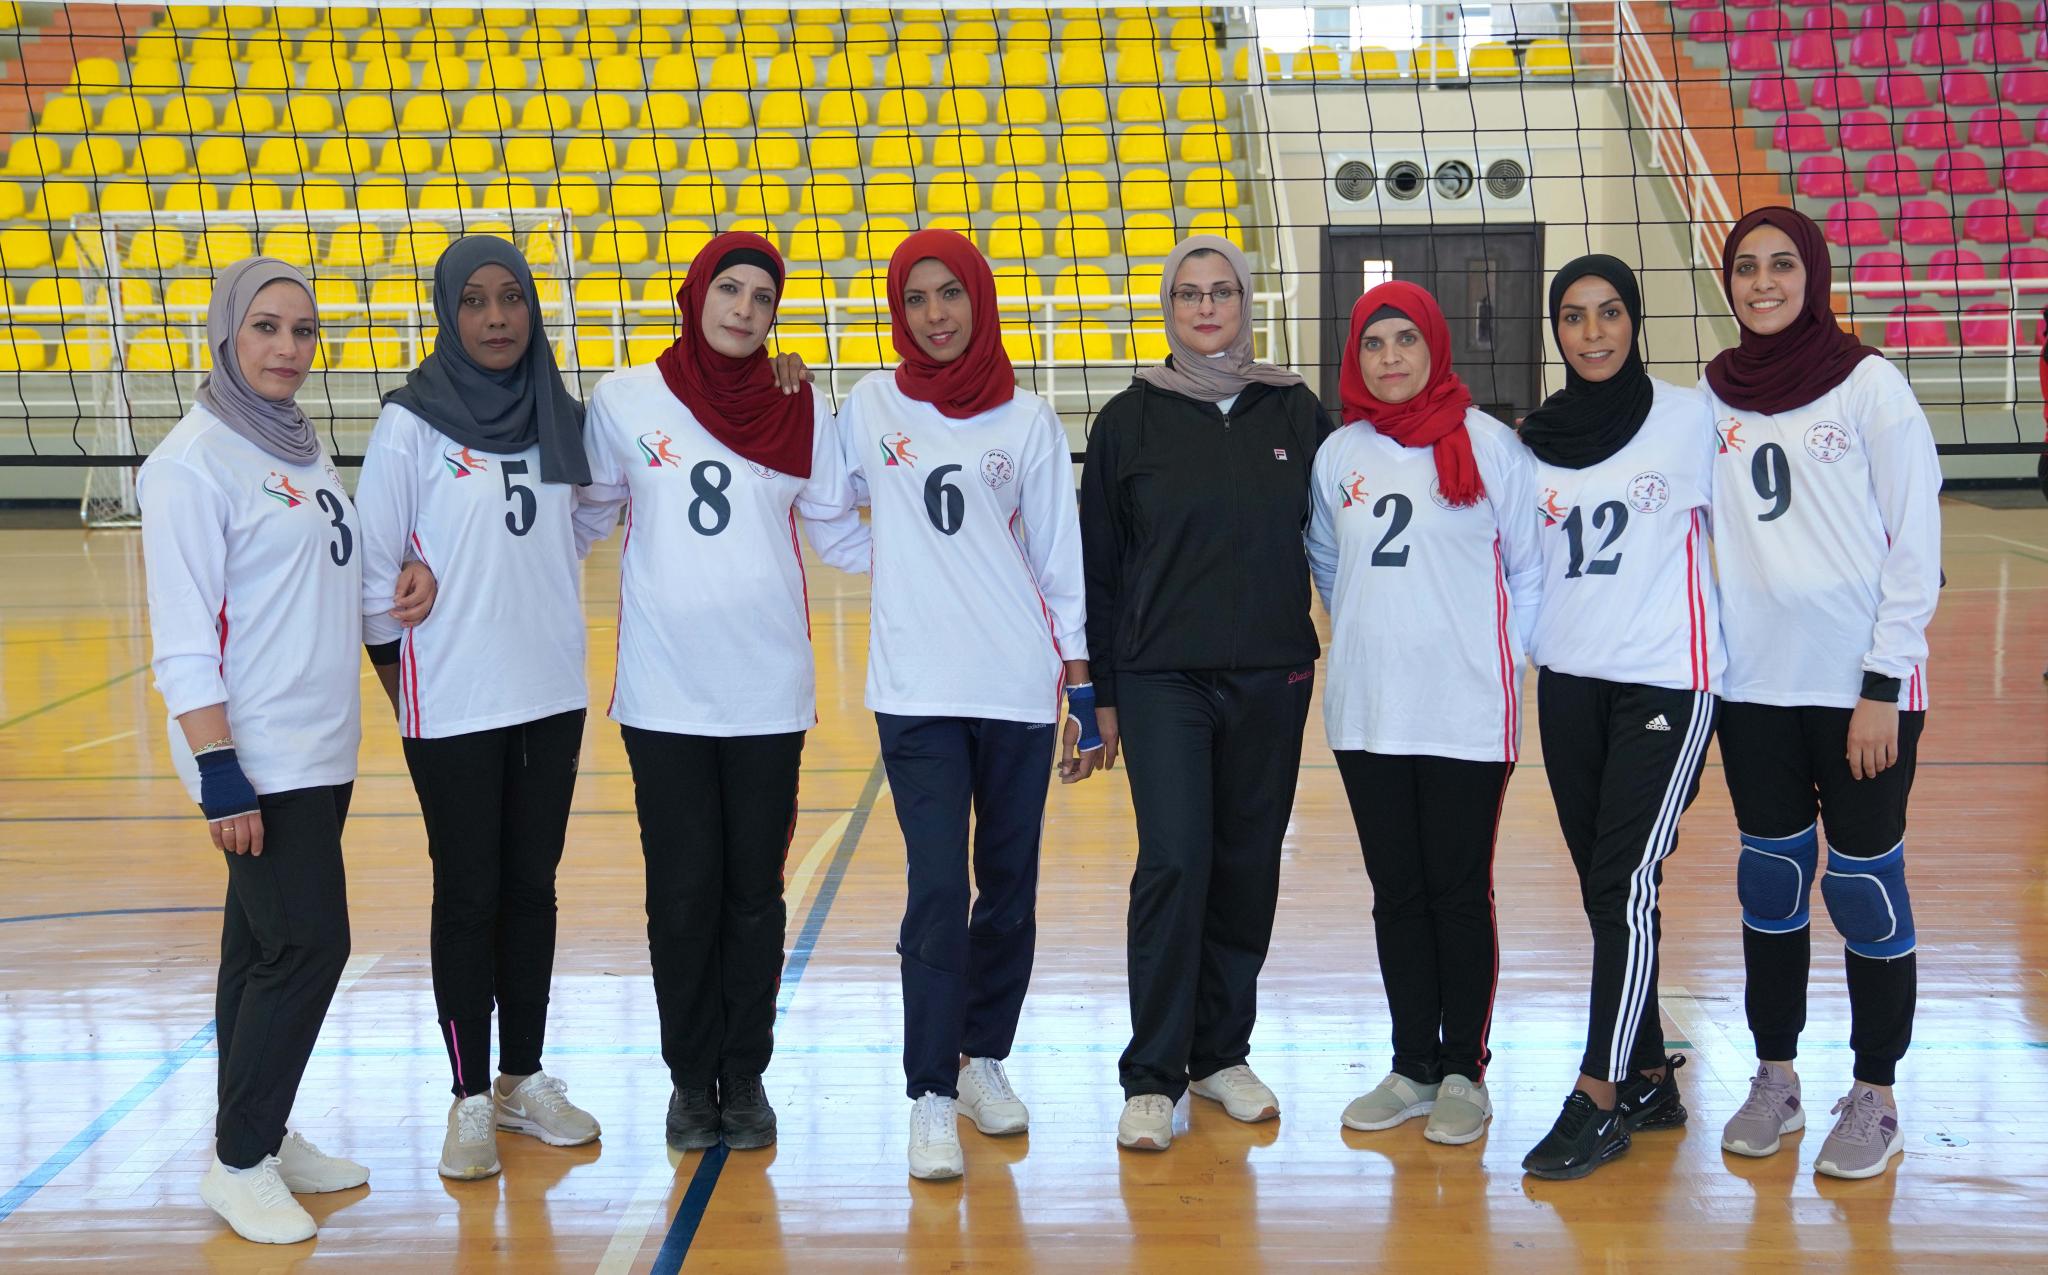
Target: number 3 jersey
(977, 594)
(1429, 605)
(1827, 529)
(1628, 587)
(714, 613)
(255, 583)
(504, 643)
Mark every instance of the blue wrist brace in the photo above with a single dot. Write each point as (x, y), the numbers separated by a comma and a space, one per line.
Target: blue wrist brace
(1081, 707)
(224, 791)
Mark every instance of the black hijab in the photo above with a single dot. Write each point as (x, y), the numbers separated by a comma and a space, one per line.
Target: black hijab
(495, 411)
(1587, 421)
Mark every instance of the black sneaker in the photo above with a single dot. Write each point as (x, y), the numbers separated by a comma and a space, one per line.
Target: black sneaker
(693, 1119)
(744, 1113)
(1583, 1139)
(1644, 1103)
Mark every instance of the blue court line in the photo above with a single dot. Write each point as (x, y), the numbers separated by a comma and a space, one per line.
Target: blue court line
(682, 1229)
(73, 916)
(62, 700)
(41, 1175)
(353, 814)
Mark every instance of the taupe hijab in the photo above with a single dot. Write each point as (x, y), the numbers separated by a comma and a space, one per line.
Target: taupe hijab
(1193, 375)
(275, 425)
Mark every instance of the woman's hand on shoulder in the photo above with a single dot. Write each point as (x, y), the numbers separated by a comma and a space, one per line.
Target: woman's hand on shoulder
(790, 372)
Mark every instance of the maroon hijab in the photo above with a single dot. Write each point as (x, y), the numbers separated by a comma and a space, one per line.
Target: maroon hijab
(736, 400)
(1434, 418)
(1789, 369)
(981, 379)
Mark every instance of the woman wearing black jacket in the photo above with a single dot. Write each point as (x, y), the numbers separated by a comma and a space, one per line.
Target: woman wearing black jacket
(1193, 504)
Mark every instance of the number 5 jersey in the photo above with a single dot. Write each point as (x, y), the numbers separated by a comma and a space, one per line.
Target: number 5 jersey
(1628, 585)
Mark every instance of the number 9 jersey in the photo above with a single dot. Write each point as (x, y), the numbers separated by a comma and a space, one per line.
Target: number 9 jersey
(1628, 587)
(977, 595)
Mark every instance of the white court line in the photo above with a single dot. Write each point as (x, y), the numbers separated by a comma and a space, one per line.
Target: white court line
(1706, 1035)
(796, 887)
(648, 1204)
(2004, 540)
(95, 743)
(179, 1128)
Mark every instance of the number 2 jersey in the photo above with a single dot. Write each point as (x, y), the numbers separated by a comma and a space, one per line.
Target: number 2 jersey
(255, 585)
(1429, 605)
(714, 612)
(504, 643)
(1628, 585)
(1827, 529)
(977, 591)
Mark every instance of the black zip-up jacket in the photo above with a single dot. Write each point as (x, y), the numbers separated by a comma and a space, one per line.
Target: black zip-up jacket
(1191, 532)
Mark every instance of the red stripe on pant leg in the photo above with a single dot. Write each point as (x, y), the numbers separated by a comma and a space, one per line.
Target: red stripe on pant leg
(1493, 921)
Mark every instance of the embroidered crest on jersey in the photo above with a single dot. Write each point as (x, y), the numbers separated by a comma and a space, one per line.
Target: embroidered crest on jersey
(1441, 501)
(1553, 513)
(896, 451)
(654, 445)
(462, 463)
(280, 489)
(1352, 490)
(1827, 442)
(763, 471)
(1649, 491)
(1730, 431)
(997, 469)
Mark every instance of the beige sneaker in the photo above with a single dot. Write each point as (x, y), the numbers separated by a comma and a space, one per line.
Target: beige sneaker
(307, 1170)
(1461, 1112)
(1147, 1123)
(1392, 1101)
(470, 1150)
(540, 1106)
(256, 1203)
(1243, 1095)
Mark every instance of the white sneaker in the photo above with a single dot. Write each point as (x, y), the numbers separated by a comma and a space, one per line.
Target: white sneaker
(256, 1203)
(307, 1170)
(540, 1106)
(934, 1139)
(1147, 1123)
(470, 1150)
(987, 1099)
(1243, 1095)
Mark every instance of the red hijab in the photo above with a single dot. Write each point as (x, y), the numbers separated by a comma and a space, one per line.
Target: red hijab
(736, 400)
(1433, 418)
(1813, 355)
(981, 378)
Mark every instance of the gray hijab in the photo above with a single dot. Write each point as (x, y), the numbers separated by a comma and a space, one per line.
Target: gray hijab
(275, 425)
(495, 411)
(1198, 377)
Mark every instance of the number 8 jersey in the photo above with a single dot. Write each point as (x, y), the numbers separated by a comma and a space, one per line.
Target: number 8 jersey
(977, 595)
(1628, 587)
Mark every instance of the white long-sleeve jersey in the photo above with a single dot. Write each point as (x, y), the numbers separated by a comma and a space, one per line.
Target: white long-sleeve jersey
(714, 613)
(977, 595)
(504, 644)
(1628, 584)
(1430, 606)
(255, 584)
(1827, 524)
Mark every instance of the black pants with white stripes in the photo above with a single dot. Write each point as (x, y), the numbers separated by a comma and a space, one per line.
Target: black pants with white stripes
(1427, 827)
(1624, 763)
(1784, 767)
(496, 805)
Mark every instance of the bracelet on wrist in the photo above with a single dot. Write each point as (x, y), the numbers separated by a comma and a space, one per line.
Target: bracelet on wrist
(219, 745)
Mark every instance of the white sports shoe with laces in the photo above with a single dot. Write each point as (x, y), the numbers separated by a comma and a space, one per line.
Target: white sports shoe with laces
(540, 1105)
(470, 1149)
(256, 1203)
(987, 1099)
(1243, 1095)
(1147, 1123)
(935, 1139)
(307, 1170)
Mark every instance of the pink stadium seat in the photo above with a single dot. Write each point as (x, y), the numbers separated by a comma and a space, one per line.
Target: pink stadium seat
(1710, 27)
(1966, 88)
(2041, 220)
(1880, 267)
(1774, 93)
(1901, 90)
(1989, 324)
(2025, 263)
(1930, 130)
(1800, 133)
(1942, 14)
(2041, 127)
(1753, 53)
(1996, 126)
(1916, 327)
(1926, 221)
(2027, 86)
(1832, 18)
(1963, 173)
(1854, 223)
(1866, 131)
(2002, 13)
(1893, 175)
(2026, 172)
(1813, 51)
(1994, 221)
(1875, 50)
(1699, 4)
(1770, 21)
(1998, 46)
(1839, 92)
(1885, 17)
(1959, 266)
(1937, 47)
(1825, 177)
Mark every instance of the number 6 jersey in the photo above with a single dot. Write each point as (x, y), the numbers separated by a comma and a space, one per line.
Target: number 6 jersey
(1628, 587)
(1827, 522)
(977, 595)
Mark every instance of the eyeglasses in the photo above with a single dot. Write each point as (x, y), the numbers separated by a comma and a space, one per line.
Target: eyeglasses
(1222, 295)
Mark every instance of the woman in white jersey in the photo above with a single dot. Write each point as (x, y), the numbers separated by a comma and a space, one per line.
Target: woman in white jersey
(1828, 539)
(715, 450)
(1628, 641)
(1424, 548)
(253, 556)
(976, 625)
(473, 468)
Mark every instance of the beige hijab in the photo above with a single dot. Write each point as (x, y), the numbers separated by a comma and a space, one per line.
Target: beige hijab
(1193, 375)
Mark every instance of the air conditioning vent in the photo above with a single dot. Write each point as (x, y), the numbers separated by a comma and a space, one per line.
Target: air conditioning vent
(1505, 178)
(1355, 180)
(1453, 179)
(1406, 179)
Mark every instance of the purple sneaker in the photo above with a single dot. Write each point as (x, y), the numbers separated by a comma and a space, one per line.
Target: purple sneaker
(1772, 1110)
(1865, 1139)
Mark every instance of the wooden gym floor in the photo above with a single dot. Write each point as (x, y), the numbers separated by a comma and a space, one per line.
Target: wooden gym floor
(109, 902)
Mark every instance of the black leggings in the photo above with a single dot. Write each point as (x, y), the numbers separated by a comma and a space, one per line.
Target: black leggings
(496, 804)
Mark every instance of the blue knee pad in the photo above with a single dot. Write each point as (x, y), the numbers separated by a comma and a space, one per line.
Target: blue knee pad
(1774, 881)
(1868, 903)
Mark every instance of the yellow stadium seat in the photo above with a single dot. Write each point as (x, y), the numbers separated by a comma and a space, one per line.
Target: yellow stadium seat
(1492, 60)
(486, 113)
(95, 157)
(761, 195)
(788, 72)
(697, 195)
(1091, 282)
(392, 297)
(548, 113)
(637, 195)
(1218, 223)
(652, 154)
(840, 109)
(384, 74)
(366, 114)
(868, 290)
(712, 155)
(188, 113)
(64, 113)
(758, 226)
(1200, 105)
(903, 108)
(157, 249)
(601, 295)
(1083, 106)
(61, 296)
(1016, 287)
(1022, 106)
(816, 239)
(1206, 146)
(730, 72)
(1210, 188)
(951, 191)
(83, 350)
(1374, 63)
(1138, 31)
(1316, 62)
(122, 197)
(1196, 64)
(34, 156)
(665, 112)
(155, 74)
(424, 114)
(897, 150)
(965, 108)
(878, 238)
(616, 243)
(834, 150)
(1146, 190)
(508, 193)
(621, 75)
(1549, 57)
(1080, 66)
(605, 113)
(872, 37)
(318, 194)
(959, 149)
(354, 245)
(976, 36)
(967, 70)
(503, 73)
(1013, 238)
(807, 291)
(444, 194)
(646, 341)
(1028, 32)
(450, 74)
(309, 114)
(813, 42)
(249, 113)
(782, 109)
(1082, 192)
(590, 155)
(1026, 68)
(124, 113)
(187, 298)
(342, 156)
(1141, 144)
(908, 69)
(926, 38)
(97, 77)
(1138, 65)
(854, 69)
(675, 72)
(156, 349)
(12, 201)
(1140, 105)
(1021, 344)
(597, 346)
(159, 156)
(728, 111)
(1433, 61)
(279, 157)
(328, 70)
(681, 241)
(1016, 192)
(529, 155)
(402, 155)
(826, 195)
(1148, 235)
(805, 340)
(1081, 237)
(1020, 148)
(1148, 343)
(890, 194)
(246, 197)
(60, 201)
(1085, 343)
(579, 193)
(383, 194)
(559, 74)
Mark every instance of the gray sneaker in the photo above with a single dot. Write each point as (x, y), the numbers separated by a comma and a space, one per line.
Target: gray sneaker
(1865, 1138)
(1771, 1110)
(1461, 1112)
(1392, 1101)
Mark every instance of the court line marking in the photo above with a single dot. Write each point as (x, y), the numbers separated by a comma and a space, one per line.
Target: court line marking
(73, 916)
(95, 743)
(352, 814)
(624, 1249)
(61, 701)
